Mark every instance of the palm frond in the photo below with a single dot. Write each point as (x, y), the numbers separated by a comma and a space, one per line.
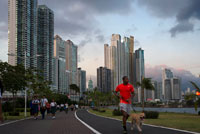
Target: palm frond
(195, 86)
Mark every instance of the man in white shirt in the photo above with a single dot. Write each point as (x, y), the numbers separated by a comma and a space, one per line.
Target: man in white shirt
(43, 103)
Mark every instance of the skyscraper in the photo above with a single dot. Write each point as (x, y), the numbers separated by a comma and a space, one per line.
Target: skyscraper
(140, 70)
(104, 79)
(81, 81)
(45, 39)
(90, 85)
(166, 89)
(171, 86)
(107, 56)
(59, 66)
(71, 60)
(22, 32)
(119, 59)
(176, 88)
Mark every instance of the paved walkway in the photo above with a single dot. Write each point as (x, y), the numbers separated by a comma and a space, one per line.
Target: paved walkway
(110, 126)
(68, 124)
(63, 124)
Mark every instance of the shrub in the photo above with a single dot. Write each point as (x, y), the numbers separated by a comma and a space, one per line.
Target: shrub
(151, 114)
(116, 112)
(22, 109)
(95, 109)
(102, 110)
(7, 107)
(20, 102)
(19, 109)
(13, 113)
(199, 113)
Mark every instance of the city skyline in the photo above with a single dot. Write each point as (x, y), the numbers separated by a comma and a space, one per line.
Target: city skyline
(174, 45)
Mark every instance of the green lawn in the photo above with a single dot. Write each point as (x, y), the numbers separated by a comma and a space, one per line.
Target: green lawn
(188, 122)
(21, 116)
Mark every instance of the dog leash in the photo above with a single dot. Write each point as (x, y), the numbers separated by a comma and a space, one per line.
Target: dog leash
(133, 108)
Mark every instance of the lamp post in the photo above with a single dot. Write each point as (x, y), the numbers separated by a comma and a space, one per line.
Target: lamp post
(25, 94)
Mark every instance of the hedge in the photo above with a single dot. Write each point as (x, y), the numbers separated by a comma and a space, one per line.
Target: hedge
(151, 114)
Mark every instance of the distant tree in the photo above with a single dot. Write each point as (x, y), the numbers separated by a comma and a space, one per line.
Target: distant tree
(145, 84)
(197, 99)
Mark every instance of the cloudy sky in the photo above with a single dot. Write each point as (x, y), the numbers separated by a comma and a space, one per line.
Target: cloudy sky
(168, 31)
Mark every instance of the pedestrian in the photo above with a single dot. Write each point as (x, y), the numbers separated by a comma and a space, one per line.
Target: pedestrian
(66, 108)
(76, 106)
(35, 105)
(48, 108)
(61, 107)
(53, 108)
(43, 103)
(72, 107)
(126, 91)
(58, 107)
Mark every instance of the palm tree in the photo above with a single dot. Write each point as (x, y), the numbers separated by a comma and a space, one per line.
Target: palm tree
(145, 84)
(198, 90)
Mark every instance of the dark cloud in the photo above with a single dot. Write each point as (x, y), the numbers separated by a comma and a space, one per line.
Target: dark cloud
(181, 28)
(100, 38)
(75, 17)
(184, 11)
(3, 19)
(84, 42)
(3, 10)
(186, 76)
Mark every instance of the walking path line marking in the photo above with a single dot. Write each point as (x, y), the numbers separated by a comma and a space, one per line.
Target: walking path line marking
(148, 124)
(92, 129)
(11, 122)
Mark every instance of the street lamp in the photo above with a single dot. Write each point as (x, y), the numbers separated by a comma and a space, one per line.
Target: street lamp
(25, 57)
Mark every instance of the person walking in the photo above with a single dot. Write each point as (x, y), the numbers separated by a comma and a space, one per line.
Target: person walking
(43, 103)
(66, 108)
(53, 109)
(61, 107)
(72, 107)
(35, 106)
(48, 108)
(126, 91)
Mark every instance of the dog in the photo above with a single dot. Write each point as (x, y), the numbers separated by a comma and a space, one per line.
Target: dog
(137, 119)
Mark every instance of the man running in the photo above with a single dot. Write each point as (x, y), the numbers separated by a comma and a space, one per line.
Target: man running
(126, 91)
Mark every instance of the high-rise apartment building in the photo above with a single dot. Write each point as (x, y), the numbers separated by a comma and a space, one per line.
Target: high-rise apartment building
(59, 66)
(45, 37)
(81, 77)
(119, 59)
(90, 85)
(171, 86)
(71, 52)
(22, 32)
(104, 79)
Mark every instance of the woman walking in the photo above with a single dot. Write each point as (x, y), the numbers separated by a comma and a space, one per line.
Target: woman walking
(53, 109)
(35, 106)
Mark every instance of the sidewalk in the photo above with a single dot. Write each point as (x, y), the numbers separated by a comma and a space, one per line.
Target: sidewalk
(63, 124)
(110, 126)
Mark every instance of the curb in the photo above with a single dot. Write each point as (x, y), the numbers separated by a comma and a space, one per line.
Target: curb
(148, 124)
(11, 122)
